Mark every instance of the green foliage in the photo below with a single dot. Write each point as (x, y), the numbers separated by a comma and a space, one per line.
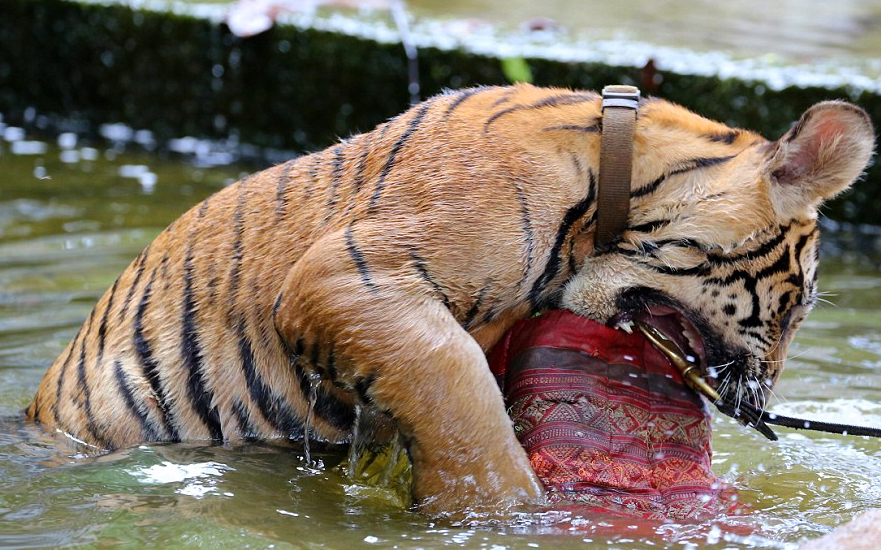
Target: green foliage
(516, 69)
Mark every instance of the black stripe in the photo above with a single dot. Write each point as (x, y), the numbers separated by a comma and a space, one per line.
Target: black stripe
(750, 284)
(338, 165)
(648, 227)
(780, 265)
(689, 165)
(149, 367)
(573, 214)
(384, 127)
(277, 304)
(801, 244)
(63, 375)
(330, 367)
(785, 300)
(366, 148)
(148, 430)
(358, 258)
(313, 173)
(475, 308)
(314, 358)
(679, 243)
(526, 227)
(573, 127)
(552, 101)
(396, 148)
(651, 249)
(86, 391)
(274, 408)
(237, 245)
(460, 98)
(767, 341)
(139, 271)
(419, 264)
(724, 137)
(571, 255)
(506, 97)
(754, 320)
(281, 196)
(102, 328)
(327, 406)
(696, 271)
(246, 428)
(363, 386)
(201, 397)
(765, 249)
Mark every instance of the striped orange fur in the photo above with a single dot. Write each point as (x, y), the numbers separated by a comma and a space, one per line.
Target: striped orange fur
(382, 268)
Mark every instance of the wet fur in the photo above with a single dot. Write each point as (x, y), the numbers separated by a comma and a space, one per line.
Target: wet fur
(381, 269)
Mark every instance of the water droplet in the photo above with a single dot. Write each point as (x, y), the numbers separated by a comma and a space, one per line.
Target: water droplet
(714, 535)
(370, 539)
(89, 153)
(13, 133)
(29, 148)
(132, 170)
(67, 140)
(70, 156)
(314, 381)
(116, 132)
(147, 181)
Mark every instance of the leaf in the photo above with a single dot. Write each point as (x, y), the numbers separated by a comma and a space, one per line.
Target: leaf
(516, 69)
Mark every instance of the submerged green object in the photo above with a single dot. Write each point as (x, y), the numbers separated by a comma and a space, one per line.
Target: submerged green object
(384, 472)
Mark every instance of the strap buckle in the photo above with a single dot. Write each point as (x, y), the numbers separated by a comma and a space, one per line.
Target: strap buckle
(618, 95)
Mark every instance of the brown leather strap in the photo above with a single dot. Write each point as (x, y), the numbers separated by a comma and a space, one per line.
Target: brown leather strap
(616, 159)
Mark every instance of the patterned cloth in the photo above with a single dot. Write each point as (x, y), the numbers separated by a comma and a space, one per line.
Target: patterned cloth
(607, 421)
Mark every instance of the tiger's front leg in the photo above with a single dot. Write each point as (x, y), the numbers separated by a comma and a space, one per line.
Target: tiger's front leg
(390, 339)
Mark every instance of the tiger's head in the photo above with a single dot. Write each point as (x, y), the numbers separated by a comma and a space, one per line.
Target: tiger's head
(721, 249)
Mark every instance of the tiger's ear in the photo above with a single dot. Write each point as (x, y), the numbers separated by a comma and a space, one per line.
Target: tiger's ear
(821, 156)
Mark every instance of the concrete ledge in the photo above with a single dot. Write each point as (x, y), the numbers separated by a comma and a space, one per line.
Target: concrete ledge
(301, 87)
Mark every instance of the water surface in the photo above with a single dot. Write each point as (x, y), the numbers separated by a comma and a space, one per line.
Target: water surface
(72, 217)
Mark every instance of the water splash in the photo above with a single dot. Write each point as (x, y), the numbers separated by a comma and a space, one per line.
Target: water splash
(314, 382)
(354, 445)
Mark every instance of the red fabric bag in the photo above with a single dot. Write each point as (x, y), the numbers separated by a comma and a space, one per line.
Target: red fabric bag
(606, 420)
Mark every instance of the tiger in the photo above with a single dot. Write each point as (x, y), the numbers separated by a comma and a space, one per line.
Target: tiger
(376, 274)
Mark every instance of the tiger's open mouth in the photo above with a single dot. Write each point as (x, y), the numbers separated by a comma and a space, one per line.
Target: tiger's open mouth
(697, 344)
(674, 323)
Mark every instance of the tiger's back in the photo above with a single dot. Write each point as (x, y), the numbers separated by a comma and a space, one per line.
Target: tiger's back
(183, 346)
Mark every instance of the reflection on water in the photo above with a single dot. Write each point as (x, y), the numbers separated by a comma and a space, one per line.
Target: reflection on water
(797, 29)
(69, 223)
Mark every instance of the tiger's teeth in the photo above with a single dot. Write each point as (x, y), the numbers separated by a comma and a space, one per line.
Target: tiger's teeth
(626, 326)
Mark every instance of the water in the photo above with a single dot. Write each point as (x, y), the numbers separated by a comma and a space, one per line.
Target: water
(784, 32)
(73, 214)
(799, 30)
